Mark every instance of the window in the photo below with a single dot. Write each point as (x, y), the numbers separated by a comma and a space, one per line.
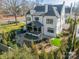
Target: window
(36, 18)
(51, 30)
(49, 21)
(28, 19)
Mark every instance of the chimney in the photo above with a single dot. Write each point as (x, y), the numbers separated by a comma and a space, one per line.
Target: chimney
(71, 9)
(46, 8)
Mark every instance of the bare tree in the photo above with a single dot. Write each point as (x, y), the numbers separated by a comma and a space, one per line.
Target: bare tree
(12, 7)
(26, 6)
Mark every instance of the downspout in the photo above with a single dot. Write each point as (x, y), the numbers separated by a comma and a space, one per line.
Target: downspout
(43, 27)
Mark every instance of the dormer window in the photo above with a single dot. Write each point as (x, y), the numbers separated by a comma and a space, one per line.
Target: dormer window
(37, 18)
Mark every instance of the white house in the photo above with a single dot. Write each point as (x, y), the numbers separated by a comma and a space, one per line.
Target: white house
(46, 20)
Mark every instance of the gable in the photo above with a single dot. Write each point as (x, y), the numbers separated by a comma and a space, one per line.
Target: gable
(59, 8)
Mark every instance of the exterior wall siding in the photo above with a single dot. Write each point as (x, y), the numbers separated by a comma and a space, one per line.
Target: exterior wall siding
(50, 26)
(58, 29)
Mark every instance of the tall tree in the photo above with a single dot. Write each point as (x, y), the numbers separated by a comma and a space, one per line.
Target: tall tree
(12, 7)
(26, 6)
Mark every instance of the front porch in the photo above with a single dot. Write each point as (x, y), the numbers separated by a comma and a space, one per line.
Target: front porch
(35, 28)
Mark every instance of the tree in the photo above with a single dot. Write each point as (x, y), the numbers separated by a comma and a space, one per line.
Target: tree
(26, 6)
(12, 7)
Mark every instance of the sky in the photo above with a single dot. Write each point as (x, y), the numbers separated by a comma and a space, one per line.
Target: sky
(67, 2)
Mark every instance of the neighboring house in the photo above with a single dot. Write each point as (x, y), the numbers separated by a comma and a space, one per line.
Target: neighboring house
(46, 20)
(67, 12)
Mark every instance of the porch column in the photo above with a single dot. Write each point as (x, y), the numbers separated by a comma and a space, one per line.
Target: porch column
(32, 24)
(37, 29)
(32, 29)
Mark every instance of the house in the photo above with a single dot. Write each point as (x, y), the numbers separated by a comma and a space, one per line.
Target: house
(46, 20)
(67, 12)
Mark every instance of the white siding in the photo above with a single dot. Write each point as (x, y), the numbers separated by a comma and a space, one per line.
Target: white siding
(58, 29)
(50, 25)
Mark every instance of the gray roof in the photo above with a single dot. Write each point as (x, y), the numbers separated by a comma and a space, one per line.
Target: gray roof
(35, 23)
(67, 9)
(39, 8)
(50, 9)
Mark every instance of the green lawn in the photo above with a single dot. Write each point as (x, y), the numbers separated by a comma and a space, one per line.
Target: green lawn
(56, 42)
(11, 27)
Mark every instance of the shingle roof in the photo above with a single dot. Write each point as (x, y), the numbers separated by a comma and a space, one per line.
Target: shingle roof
(50, 9)
(40, 8)
(35, 23)
(59, 7)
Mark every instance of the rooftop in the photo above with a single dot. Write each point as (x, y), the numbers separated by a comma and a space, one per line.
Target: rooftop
(50, 11)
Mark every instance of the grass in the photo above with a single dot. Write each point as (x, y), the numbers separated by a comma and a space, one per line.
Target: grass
(11, 27)
(56, 42)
